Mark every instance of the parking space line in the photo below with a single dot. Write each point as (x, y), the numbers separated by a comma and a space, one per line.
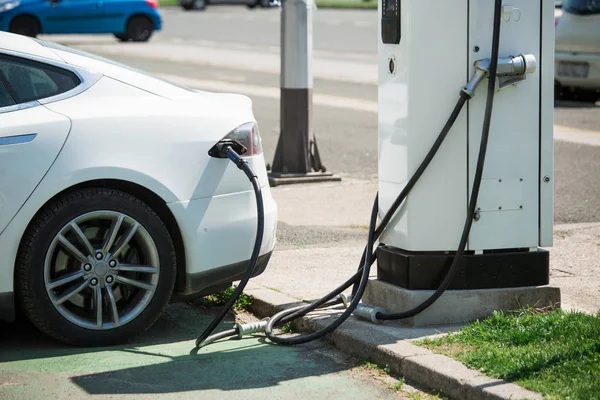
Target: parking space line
(271, 92)
(573, 135)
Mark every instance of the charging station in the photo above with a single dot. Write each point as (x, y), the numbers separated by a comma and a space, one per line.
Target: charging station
(427, 50)
(455, 236)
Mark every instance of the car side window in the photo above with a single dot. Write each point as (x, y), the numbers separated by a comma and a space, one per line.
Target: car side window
(5, 98)
(27, 80)
(582, 7)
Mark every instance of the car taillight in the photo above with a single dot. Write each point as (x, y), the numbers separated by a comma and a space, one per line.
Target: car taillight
(152, 3)
(246, 135)
(249, 137)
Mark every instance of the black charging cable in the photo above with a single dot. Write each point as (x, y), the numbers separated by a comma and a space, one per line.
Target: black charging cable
(227, 149)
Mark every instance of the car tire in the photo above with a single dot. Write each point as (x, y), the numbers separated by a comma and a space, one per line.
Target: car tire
(589, 96)
(132, 292)
(122, 37)
(139, 29)
(199, 5)
(193, 5)
(25, 25)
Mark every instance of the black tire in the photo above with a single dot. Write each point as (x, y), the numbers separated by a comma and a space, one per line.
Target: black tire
(122, 37)
(139, 29)
(193, 5)
(589, 96)
(25, 25)
(31, 291)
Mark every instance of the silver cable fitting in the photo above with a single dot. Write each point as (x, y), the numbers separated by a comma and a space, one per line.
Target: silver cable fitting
(369, 313)
(346, 300)
(252, 327)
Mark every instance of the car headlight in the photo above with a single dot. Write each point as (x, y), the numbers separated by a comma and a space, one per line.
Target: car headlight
(9, 5)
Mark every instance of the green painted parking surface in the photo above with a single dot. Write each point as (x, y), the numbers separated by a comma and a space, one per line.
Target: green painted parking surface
(163, 364)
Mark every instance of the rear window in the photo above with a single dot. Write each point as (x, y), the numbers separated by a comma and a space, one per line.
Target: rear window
(581, 7)
(26, 80)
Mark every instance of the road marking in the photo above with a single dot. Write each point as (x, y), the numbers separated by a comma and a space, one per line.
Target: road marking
(579, 136)
(270, 92)
(339, 70)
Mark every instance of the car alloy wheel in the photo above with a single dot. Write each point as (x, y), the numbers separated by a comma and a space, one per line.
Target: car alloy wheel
(96, 267)
(199, 4)
(107, 285)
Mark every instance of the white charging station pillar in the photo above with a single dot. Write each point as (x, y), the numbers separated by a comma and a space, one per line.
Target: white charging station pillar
(427, 51)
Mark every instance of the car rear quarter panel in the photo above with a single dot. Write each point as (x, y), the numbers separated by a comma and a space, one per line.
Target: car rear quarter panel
(578, 33)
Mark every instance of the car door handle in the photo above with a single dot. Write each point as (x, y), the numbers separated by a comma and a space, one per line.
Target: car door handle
(17, 139)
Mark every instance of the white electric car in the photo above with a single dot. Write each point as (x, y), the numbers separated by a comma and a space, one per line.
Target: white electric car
(109, 202)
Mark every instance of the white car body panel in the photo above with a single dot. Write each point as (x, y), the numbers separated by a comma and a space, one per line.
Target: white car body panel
(25, 45)
(157, 137)
(30, 140)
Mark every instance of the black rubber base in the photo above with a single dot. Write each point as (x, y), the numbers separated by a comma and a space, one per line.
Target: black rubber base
(499, 269)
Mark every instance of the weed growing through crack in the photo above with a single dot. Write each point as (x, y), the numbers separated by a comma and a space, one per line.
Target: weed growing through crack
(244, 302)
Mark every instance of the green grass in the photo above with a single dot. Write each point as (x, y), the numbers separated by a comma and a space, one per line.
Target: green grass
(320, 3)
(288, 327)
(168, 3)
(375, 367)
(244, 302)
(554, 353)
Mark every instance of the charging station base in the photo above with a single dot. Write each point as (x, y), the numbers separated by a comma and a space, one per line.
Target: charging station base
(458, 306)
(277, 179)
(490, 270)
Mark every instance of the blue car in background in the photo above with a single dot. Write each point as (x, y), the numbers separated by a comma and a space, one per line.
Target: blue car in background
(134, 20)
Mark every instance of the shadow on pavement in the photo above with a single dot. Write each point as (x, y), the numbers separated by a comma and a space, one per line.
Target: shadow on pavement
(180, 322)
(162, 360)
(249, 364)
(575, 104)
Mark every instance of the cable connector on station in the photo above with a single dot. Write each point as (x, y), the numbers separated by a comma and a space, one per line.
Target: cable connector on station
(510, 71)
(252, 327)
(368, 312)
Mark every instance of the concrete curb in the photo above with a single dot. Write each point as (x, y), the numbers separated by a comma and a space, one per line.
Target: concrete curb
(433, 371)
